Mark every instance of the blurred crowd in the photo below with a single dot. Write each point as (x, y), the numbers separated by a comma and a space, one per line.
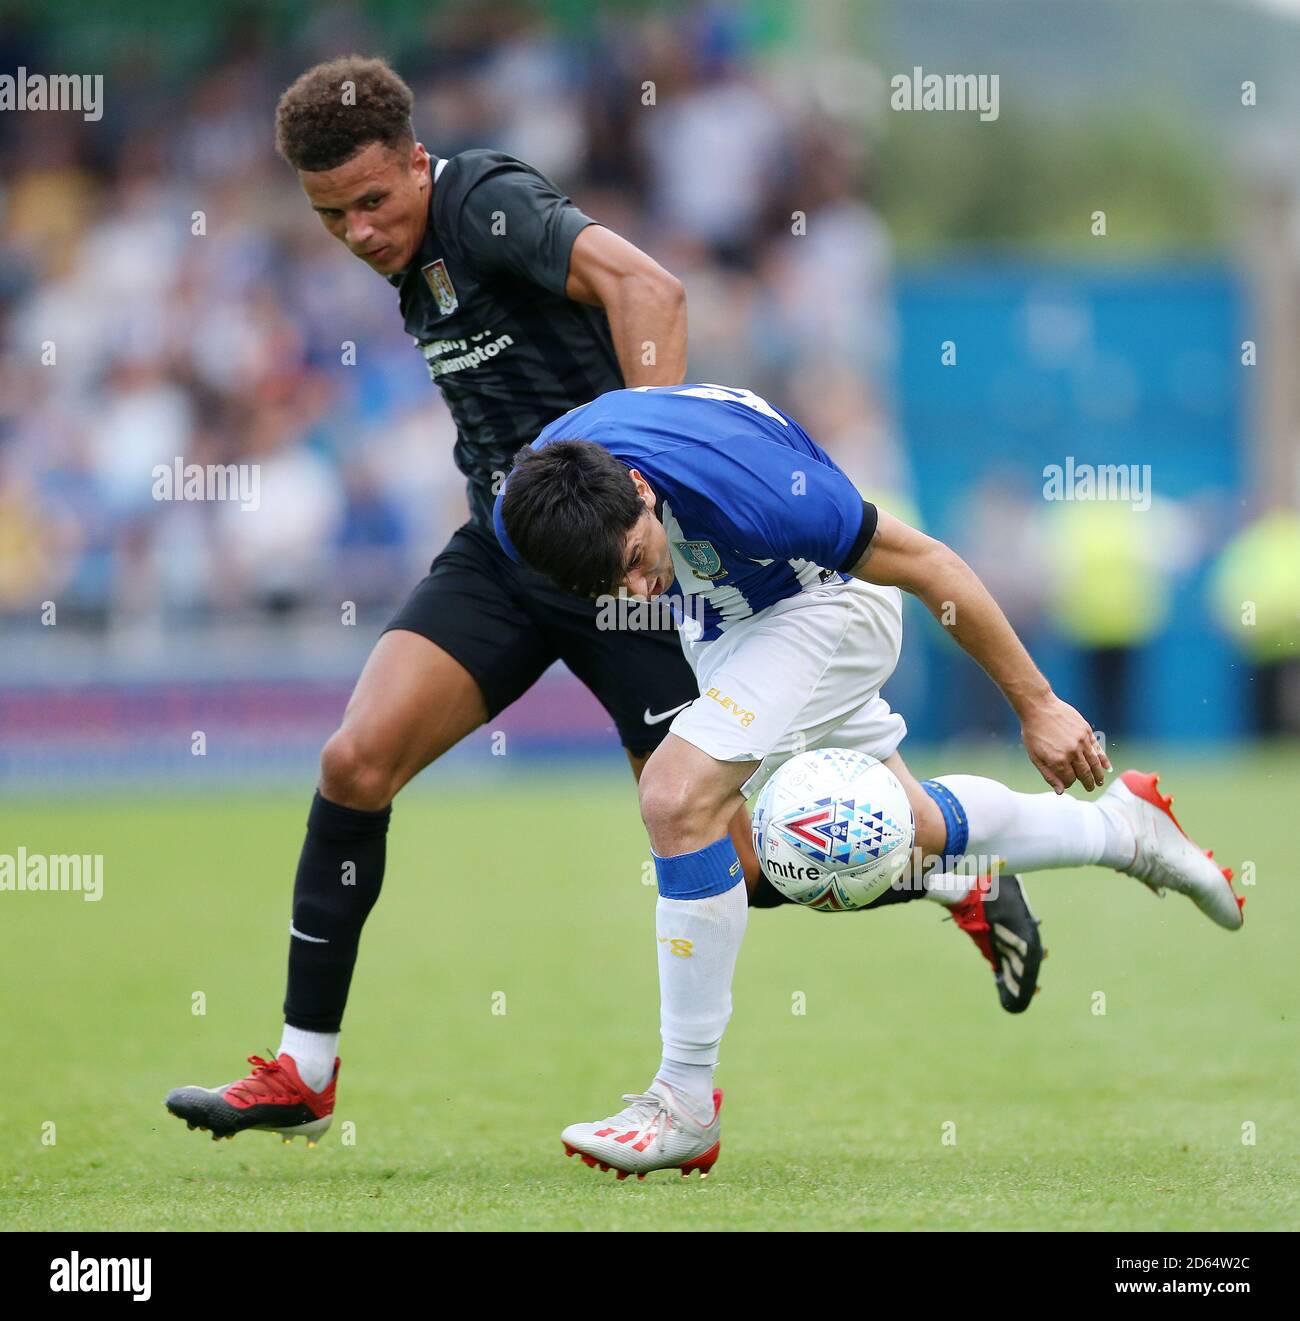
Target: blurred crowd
(166, 293)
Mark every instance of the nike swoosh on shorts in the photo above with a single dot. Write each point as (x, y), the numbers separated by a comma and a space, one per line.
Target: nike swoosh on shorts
(659, 719)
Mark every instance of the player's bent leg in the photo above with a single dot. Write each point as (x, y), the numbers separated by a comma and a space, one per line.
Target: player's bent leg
(1129, 829)
(412, 702)
(688, 800)
(741, 830)
(931, 833)
(991, 908)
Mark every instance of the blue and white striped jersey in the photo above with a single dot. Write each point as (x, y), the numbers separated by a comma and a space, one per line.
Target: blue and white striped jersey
(754, 508)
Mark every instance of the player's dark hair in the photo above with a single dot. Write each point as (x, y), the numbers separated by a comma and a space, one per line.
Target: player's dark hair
(568, 508)
(337, 108)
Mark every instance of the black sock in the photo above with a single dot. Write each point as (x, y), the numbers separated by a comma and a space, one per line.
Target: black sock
(766, 895)
(340, 871)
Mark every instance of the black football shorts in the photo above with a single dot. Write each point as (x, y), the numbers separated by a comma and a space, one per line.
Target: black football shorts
(506, 625)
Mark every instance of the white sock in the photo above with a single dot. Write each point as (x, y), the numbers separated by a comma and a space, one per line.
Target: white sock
(313, 1053)
(948, 889)
(1027, 832)
(1121, 844)
(698, 941)
(693, 1083)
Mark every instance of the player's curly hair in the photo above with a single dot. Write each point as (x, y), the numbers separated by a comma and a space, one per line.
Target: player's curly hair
(339, 107)
(568, 508)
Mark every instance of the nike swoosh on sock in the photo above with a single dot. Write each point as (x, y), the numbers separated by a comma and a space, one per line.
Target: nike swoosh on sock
(302, 935)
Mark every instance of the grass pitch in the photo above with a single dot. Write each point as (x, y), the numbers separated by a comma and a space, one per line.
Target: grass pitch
(507, 987)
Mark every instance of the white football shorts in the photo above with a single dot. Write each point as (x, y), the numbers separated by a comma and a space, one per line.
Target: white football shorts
(804, 673)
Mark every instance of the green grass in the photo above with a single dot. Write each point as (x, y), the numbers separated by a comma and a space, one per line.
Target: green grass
(1064, 1119)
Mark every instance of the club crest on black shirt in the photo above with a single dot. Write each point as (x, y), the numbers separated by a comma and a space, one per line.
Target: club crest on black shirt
(440, 282)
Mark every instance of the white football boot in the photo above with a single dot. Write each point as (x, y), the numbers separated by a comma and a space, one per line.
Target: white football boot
(653, 1132)
(1165, 857)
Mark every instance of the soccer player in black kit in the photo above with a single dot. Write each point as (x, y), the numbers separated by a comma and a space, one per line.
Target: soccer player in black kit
(523, 308)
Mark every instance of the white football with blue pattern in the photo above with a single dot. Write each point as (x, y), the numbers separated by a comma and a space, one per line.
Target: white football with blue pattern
(833, 829)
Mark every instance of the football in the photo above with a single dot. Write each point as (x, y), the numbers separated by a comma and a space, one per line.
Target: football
(833, 829)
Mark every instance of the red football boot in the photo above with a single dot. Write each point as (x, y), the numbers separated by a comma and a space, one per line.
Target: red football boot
(272, 1099)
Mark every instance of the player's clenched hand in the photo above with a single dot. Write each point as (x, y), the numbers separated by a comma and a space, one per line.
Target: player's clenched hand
(1060, 742)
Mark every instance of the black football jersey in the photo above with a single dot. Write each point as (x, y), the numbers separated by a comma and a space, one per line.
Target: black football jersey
(484, 300)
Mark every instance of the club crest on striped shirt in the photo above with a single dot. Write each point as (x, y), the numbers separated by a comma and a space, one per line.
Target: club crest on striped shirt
(705, 562)
(440, 285)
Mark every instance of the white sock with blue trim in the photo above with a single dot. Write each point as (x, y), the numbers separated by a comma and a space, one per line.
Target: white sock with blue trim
(1026, 832)
(700, 921)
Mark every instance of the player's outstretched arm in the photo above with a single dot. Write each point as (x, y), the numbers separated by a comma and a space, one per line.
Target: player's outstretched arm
(1059, 741)
(646, 306)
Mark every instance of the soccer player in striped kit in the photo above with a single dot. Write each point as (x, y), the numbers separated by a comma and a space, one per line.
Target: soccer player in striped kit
(704, 491)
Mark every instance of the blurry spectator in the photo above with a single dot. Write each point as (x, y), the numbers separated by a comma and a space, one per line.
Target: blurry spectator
(1111, 569)
(713, 142)
(1000, 534)
(529, 78)
(29, 563)
(842, 411)
(829, 269)
(145, 420)
(370, 539)
(278, 554)
(1256, 592)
